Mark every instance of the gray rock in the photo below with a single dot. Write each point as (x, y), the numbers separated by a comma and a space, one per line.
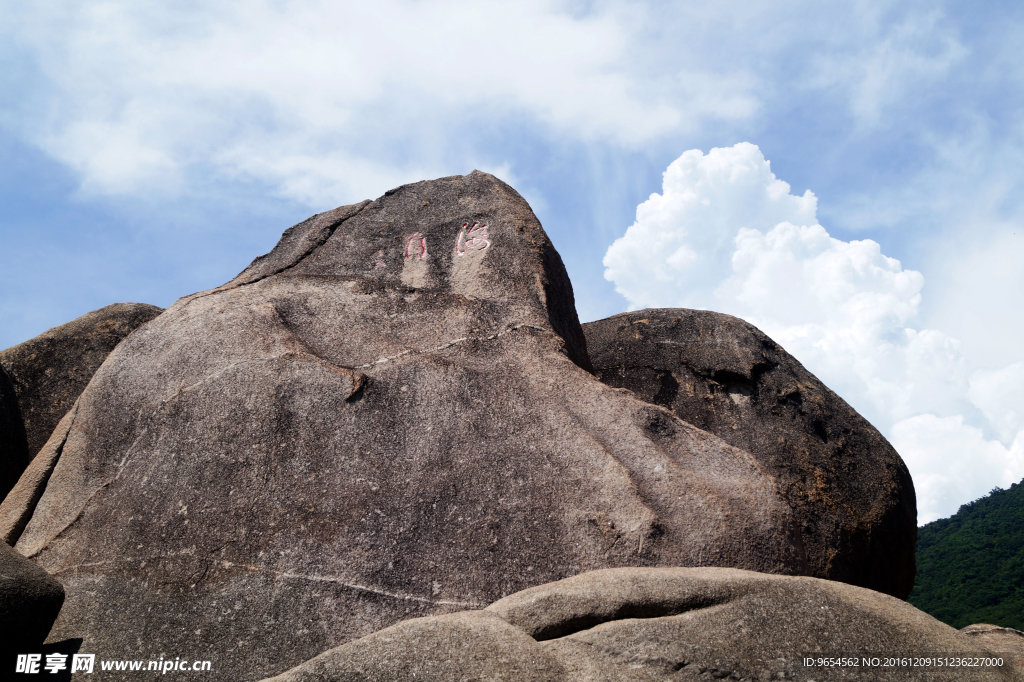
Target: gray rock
(386, 417)
(29, 602)
(668, 624)
(50, 371)
(849, 490)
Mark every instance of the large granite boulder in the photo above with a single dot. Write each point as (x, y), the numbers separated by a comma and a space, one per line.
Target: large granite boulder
(29, 602)
(668, 624)
(388, 416)
(50, 371)
(849, 490)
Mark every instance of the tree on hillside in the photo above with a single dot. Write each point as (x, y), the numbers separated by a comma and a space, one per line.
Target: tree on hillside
(970, 567)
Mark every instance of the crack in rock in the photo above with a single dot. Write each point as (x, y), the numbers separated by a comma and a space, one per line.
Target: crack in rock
(289, 575)
(453, 343)
(322, 229)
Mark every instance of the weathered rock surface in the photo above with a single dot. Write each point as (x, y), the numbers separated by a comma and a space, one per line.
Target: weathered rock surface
(662, 624)
(50, 371)
(1006, 641)
(847, 486)
(29, 602)
(388, 416)
(469, 645)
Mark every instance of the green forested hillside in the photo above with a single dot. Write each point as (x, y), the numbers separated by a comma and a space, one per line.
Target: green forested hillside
(970, 567)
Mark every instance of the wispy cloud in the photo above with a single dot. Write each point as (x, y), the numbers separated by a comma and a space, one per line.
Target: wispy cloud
(319, 98)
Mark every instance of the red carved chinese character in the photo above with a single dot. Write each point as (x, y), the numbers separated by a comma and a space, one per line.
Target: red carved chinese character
(379, 263)
(416, 247)
(474, 239)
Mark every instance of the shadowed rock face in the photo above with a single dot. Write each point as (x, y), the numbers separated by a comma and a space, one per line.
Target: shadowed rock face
(14, 455)
(848, 488)
(49, 372)
(29, 602)
(662, 625)
(388, 416)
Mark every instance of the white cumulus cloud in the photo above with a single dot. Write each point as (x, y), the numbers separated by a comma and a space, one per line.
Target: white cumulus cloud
(953, 463)
(682, 240)
(725, 234)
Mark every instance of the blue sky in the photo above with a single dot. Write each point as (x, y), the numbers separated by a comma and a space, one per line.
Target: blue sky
(153, 151)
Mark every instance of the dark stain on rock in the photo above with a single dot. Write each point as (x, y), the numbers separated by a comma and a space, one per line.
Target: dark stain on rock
(667, 390)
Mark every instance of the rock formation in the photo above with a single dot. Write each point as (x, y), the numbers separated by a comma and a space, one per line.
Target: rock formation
(29, 602)
(665, 624)
(1007, 641)
(388, 416)
(17, 507)
(849, 490)
(48, 373)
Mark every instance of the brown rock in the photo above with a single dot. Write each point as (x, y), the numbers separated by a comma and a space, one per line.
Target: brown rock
(1004, 641)
(386, 417)
(669, 624)
(50, 371)
(29, 602)
(847, 486)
